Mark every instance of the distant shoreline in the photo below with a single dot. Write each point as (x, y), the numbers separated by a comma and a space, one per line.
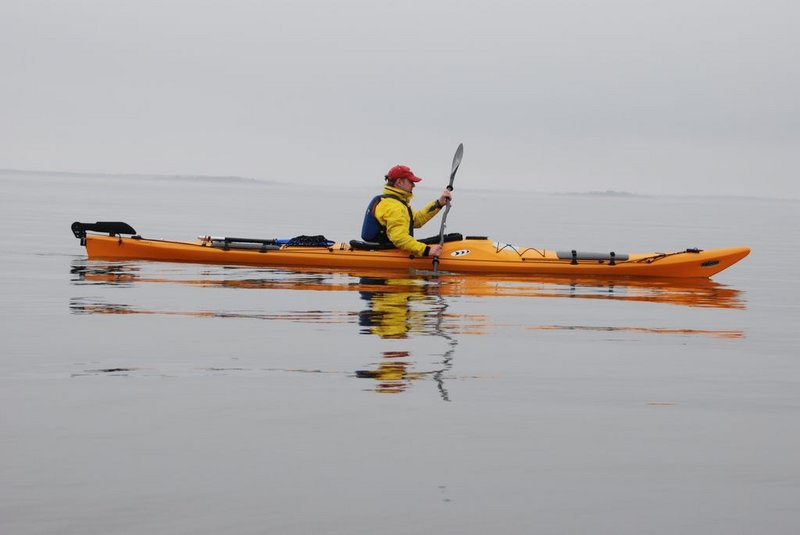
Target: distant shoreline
(232, 179)
(136, 176)
(606, 193)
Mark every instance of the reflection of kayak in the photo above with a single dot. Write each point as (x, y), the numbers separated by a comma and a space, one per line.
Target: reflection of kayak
(675, 291)
(461, 255)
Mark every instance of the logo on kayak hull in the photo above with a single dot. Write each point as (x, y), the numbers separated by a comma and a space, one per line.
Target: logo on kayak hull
(460, 252)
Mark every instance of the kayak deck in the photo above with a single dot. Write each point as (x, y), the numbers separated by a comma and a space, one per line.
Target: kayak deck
(466, 255)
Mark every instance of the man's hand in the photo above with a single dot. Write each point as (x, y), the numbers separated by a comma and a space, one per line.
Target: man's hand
(435, 250)
(446, 197)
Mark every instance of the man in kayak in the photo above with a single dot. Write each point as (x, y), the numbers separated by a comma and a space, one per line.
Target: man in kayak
(390, 218)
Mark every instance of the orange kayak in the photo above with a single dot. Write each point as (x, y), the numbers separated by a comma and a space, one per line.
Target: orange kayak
(459, 255)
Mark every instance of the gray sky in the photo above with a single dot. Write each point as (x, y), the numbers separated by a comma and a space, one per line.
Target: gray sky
(679, 97)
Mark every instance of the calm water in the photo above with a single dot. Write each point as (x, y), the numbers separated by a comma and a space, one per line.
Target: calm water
(142, 397)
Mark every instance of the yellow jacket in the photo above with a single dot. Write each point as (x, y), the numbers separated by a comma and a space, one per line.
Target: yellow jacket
(394, 216)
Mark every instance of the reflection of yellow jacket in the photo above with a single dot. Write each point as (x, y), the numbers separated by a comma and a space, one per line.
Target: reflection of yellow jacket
(391, 314)
(393, 215)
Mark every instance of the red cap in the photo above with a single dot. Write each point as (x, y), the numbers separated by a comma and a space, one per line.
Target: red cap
(402, 171)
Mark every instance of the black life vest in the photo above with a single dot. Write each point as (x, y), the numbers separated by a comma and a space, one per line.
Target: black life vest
(372, 230)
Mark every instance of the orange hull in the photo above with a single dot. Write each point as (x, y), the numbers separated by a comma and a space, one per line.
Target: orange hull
(462, 256)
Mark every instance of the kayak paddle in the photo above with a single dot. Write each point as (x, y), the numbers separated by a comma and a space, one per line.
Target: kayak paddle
(456, 162)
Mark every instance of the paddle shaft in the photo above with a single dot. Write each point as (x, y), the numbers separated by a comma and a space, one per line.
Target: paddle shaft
(456, 163)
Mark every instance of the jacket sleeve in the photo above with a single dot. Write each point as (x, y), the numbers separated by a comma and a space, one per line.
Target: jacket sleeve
(394, 215)
(426, 214)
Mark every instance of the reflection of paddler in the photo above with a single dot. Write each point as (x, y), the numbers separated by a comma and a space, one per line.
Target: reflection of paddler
(392, 375)
(389, 313)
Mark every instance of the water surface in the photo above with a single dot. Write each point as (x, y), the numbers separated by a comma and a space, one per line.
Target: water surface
(172, 398)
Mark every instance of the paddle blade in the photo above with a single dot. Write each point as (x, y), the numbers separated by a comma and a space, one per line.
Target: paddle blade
(457, 158)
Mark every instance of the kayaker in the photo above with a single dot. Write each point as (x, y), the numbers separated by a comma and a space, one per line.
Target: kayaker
(390, 218)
